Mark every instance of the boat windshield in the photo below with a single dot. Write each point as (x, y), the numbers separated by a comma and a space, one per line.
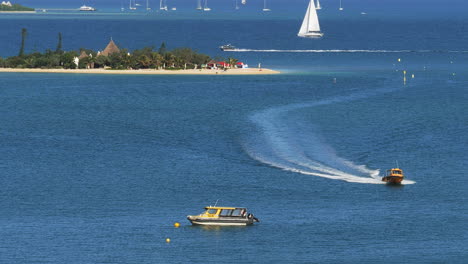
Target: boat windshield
(212, 211)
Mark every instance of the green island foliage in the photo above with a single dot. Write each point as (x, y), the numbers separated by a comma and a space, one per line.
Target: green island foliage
(145, 58)
(15, 7)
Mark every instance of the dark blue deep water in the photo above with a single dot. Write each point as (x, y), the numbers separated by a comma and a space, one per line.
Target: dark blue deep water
(97, 168)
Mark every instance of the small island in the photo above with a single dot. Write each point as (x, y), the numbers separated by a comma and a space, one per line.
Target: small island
(7, 6)
(114, 60)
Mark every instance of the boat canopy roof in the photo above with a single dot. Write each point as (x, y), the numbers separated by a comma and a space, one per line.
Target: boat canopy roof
(395, 172)
(222, 207)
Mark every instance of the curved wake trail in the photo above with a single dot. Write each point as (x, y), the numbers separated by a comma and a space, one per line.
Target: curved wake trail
(294, 146)
(347, 51)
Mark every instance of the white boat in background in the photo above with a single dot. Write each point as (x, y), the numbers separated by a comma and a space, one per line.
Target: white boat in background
(87, 8)
(244, 2)
(341, 7)
(206, 8)
(162, 5)
(265, 9)
(199, 5)
(130, 6)
(310, 27)
(147, 5)
(318, 6)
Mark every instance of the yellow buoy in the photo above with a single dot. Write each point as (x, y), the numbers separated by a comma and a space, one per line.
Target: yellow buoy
(168, 240)
(176, 225)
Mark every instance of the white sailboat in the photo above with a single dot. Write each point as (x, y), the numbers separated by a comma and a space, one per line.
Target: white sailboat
(244, 2)
(206, 8)
(131, 7)
(341, 8)
(310, 27)
(162, 5)
(237, 5)
(147, 5)
(265, 9)
(318, 7)
(199, 6)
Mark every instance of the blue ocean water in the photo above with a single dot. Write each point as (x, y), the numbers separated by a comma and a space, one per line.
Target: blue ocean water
(96, 169)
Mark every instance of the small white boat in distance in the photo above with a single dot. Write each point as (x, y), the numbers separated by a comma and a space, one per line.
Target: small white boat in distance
(206, 8)
(310, 27)
(341, 8)
(318, 7)
(265, 9)
(87, 8)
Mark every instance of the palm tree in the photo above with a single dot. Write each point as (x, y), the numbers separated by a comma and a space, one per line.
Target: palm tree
(232, 62)
(24, 33)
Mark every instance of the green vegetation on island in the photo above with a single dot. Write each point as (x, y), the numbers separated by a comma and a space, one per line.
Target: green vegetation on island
(113, 57)
(8, 7)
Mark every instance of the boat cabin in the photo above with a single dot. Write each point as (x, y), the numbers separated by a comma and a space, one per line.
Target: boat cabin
(395, 172)
(224, 212)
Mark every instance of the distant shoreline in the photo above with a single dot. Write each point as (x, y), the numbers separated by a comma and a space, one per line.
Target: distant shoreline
(248, 71)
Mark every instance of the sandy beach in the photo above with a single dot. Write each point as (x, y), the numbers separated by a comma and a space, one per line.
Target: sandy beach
(248, 71)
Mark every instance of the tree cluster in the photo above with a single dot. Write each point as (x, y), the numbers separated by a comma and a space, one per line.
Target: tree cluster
(146, 58)
(15, 7)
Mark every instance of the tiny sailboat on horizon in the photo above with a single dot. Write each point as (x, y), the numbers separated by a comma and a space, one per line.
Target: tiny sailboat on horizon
(310, 27)
(265, 9)
(318, 7)
(206, 8)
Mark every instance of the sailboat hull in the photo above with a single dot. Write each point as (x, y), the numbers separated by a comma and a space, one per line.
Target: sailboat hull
(311, 35)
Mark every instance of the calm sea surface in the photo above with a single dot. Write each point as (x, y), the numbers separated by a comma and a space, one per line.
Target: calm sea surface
(96, 169)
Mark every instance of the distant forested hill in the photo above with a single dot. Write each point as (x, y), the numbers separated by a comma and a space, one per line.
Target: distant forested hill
(15, 7)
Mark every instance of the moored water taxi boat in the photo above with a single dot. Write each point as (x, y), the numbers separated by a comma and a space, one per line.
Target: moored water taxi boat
(223, 216)
(393, 176)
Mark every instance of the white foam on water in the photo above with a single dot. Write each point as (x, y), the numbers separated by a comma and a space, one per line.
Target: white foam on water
(283, 144)
(347, 51)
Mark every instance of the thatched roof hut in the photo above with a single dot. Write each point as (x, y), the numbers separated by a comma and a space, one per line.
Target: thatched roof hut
(111, 48)
(83, 55)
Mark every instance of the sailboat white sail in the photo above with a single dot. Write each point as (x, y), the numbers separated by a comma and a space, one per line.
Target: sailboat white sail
(310, 27)
(199, 6)
(244, 2)
(341, 8)
(265, 9)
(162, 5)
(131, 7)
(206, 8)
(318, 7)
